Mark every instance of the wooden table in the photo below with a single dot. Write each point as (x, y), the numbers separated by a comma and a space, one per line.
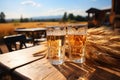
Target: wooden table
(43, 70)
(30, 29)
(36, 33)
(24, 66)
(15, 59)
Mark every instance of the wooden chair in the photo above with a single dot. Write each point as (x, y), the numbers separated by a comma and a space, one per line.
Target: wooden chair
(12, 40)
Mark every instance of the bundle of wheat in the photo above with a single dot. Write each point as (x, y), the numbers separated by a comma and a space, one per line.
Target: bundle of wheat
(103, 46)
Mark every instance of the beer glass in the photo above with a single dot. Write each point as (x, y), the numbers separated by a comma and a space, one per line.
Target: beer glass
(76, 41)
(56, 44)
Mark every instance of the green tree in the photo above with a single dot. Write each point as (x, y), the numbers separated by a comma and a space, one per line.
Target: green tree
(2, 17)
(25, 20)
(21, 19)
(64, 19)
(71, 16)
(79, 18)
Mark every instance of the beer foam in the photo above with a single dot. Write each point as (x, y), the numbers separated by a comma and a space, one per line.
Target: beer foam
(80, 33)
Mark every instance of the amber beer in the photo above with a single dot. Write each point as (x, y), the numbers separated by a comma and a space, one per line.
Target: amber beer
(77, 45)
(56, 41)
(77, 40)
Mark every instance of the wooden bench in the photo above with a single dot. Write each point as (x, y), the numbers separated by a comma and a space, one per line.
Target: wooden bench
(11, 42)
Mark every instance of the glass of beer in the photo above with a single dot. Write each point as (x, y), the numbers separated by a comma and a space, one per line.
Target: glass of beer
(76, 40)
(56, 44)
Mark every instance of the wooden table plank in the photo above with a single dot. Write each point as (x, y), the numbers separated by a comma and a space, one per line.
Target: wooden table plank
(18, 58)
(40, 70)
(30, 29)
(43, 70)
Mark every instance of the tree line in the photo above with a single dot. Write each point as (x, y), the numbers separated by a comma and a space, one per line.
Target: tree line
(66, 18)
(21, 19)
(71, 17)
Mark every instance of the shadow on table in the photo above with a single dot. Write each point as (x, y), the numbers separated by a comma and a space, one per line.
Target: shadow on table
(73, 71)
(4, 74)
(86, 71)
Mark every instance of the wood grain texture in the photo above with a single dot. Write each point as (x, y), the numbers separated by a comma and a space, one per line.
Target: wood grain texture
(40, 70)
(18, 58)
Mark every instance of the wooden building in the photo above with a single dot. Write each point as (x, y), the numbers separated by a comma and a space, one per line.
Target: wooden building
(115, 15)
(97, 17)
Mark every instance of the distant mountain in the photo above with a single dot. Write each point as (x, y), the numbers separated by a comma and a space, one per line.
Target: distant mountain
(58, 17)
(48, 17)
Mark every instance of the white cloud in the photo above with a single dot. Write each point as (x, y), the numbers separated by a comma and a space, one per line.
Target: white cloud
(61, 11)
(32, 3)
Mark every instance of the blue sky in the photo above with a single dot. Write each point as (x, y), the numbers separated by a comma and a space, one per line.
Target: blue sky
(32, 8)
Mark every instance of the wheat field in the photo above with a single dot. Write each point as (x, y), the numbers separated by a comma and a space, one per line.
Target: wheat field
(8, 28)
